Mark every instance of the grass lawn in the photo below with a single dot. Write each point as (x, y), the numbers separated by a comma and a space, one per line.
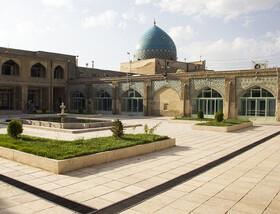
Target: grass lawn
(192, 118)
(60, 149)
(228, 122)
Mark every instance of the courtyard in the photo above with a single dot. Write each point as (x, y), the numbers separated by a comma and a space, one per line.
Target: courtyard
(245, 183)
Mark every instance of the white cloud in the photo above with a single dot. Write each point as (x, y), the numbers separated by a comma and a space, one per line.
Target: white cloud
(142, 1)
(131, 15)
(227, 10)
(31, 27)
(58, 3)
(122, 24)
(105, 19)
(141, 18)
(180, 33)
(247, 22)
(238, 53)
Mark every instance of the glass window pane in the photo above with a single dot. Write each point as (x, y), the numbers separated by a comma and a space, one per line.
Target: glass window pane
(211, 107)
(123, 104)
(140, 105)
(251, 107)
(271, 107)
(256, 93)
(260, 108)
(242, 108)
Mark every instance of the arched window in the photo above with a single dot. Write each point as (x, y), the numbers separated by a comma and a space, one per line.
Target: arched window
(257, 102)
(58, 72)
(77, 101)
(103, 101)
(209, 101)
(132, 101)
(10, 68)
(38, 70)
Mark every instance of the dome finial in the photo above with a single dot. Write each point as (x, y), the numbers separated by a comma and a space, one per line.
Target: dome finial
(155, 21)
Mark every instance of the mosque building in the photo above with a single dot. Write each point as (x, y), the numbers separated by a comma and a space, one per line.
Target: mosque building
(153, 84)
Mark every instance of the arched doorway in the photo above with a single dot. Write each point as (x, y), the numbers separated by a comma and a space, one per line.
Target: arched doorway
(77, 101)
(166, 102)
(257, 102)
(103, 102)
(209, 101)
(132, 103)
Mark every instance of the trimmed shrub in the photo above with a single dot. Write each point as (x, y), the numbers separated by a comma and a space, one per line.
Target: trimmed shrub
(117, 128)
(200, 114)
(44, 110)
(219, 116)
(14, 128)
(81, 110)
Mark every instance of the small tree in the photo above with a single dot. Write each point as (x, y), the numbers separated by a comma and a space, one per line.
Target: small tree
(117, 128)
(200, 114)
(146, 129)
(133, 128)
(153, 129)
(14, 128)
(219, 116)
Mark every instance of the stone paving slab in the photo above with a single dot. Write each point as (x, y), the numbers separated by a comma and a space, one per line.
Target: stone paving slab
(254, 187)
(103, 185)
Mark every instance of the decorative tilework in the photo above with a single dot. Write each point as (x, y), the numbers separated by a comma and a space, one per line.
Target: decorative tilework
(175, 84)
(105, 87)
(137, 86)
(197, 85)
(244, 83)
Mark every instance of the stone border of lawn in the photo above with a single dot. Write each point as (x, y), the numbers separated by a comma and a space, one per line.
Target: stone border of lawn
(186, 121)
(67, 165)
(222, 128)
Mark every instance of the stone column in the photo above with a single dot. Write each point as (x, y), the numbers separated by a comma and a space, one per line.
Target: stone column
(230, 106)
(182, 99)
(147, 99)
(24, 97)
(41, 97)
(277, 113)
(66, 98)
(89, 98)
(187, 98)
(17, 98)
(116, 98)
(51, 98)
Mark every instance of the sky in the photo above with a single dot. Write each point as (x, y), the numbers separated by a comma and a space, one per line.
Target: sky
(228, 34)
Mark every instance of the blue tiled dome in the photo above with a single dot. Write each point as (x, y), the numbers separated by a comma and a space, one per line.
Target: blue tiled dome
(155, 43)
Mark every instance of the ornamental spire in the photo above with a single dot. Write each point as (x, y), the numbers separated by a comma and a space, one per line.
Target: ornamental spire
(155, 21)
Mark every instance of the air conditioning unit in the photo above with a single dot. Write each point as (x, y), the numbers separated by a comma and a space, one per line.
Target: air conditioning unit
(259, 65)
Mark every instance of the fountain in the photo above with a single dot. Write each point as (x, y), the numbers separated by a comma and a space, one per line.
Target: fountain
(62, 115)
(66, 121)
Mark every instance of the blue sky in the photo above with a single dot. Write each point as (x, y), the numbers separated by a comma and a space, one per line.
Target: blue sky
(228, 34)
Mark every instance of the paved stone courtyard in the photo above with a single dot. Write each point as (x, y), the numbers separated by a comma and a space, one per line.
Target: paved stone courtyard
(248, 183)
